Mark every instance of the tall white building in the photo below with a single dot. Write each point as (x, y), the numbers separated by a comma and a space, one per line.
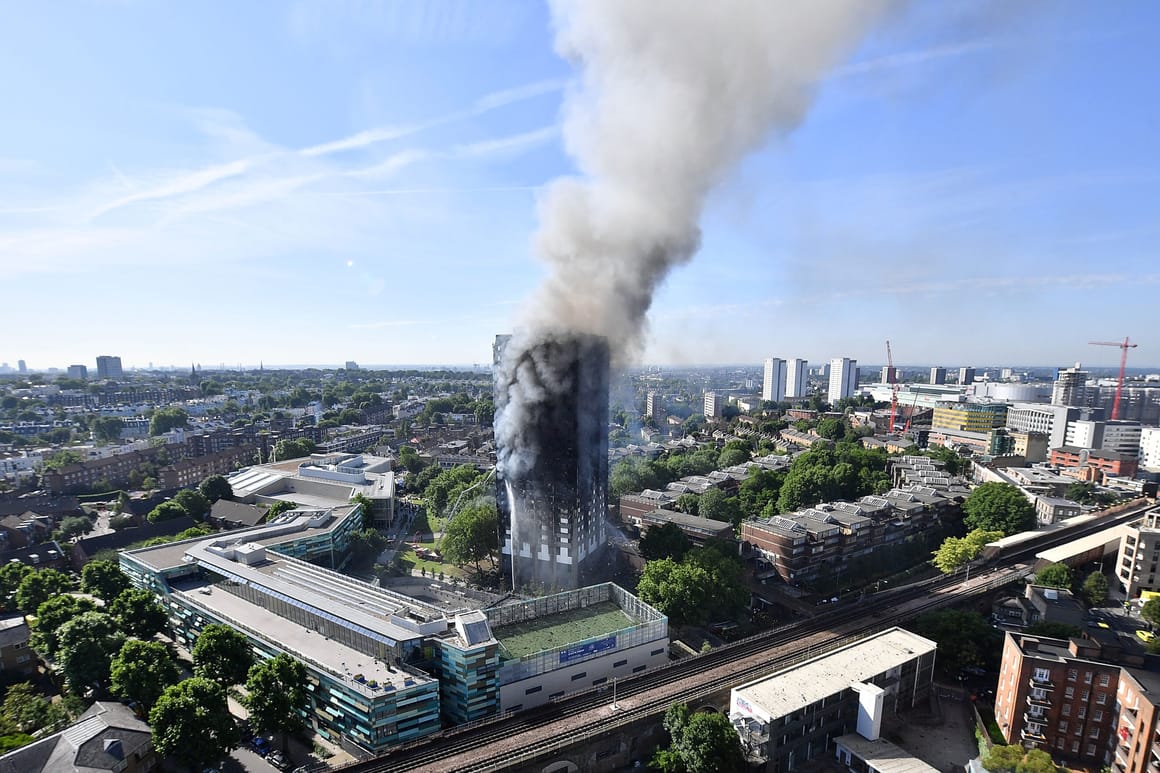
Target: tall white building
(938, 375)
(795, 378)
(712, 405)
(654, 406)
(966, 375)
(843, 378)
(773, 385)
(1150, 448)
(1070, 387)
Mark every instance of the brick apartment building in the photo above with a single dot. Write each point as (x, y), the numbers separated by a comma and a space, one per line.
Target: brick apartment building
(1099, 462)
(1088, 703)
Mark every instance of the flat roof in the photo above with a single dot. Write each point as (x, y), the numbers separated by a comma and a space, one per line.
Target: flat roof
(883, 756)
(784, 692)
(561, 628)
(1102, 538)
(337, 659)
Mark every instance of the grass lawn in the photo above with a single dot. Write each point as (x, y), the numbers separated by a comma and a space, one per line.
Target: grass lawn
(410, 561)
(559, 629)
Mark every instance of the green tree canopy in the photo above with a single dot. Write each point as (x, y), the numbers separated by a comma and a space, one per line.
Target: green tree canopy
(705, 583)
(166, 511)
(1095, 588)
(1054, 576)
(366, 545)
(138, 613)
(1151, 611)
(222, 654)
(367, 508)
(11, 575)
(964, 638)
(26, 710)
(193, 502)
(73, 526)
(165, 419)
(215, 487)
(293, 449)
(999, 507)
(473, 534)
(279, 507)
(956, 552)
(104, 579)
(51, 616)
(1003, 759)
(701, 742)
(191, 721)
(87, 644)
(276, 694)
(715, 505)
(142, 670)
(106, 428)
(38, 587)
(664, 541)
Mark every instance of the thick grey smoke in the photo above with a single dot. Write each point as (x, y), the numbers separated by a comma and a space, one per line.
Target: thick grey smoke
(670, 95)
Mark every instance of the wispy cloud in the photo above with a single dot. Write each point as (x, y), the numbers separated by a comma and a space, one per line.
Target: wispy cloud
(516, 143)
(180, 185)
(914, 58)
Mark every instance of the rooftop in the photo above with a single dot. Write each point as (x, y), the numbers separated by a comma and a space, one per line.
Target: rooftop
(561, 628)
(884, 756)
(795, 687)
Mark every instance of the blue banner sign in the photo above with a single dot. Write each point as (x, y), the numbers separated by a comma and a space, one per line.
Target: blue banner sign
(591, 648)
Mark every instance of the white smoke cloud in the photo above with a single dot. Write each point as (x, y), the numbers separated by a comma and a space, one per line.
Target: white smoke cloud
(671, 95)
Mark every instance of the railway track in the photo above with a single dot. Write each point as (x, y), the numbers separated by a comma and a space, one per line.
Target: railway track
(786, 645)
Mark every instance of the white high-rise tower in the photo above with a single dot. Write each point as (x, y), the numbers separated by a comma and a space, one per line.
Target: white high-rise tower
(843, 378)
(773, 386)
(795, 378)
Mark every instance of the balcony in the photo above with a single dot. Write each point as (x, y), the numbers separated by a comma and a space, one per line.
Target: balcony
(1037, 719)
(1034, 736)
(1043, 702)
(1042, 684)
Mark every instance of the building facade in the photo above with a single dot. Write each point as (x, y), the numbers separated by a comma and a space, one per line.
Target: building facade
(109, 367)
(938, 375)
(1070, 387)
(843, 379)
(796, 378)
(966, 376)
(773, 380)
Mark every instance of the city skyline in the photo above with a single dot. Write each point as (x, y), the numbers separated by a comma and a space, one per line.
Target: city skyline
(360, 182)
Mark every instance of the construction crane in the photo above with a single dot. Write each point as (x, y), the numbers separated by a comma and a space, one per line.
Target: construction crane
(1123, 347)
(893, 385)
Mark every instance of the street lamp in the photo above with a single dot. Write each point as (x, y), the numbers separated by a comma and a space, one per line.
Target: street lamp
(614, 705)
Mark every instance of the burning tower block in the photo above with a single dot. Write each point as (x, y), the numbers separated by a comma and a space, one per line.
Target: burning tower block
(552, 443)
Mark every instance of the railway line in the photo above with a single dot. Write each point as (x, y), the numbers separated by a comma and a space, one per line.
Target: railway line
(496, 742)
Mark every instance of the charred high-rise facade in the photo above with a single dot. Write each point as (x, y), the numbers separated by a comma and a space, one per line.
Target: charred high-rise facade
(552, 445)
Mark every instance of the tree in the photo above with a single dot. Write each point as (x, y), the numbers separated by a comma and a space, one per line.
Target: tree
(63, 458)
(1036, 761)
(733, 456)
(366, 545)
(165, 419)
(956, 552)
(191, 721)
(139, 614)
(999, 507)
(276, 693)
(1095, 588)
(222, 654)
(678, 590)
(215, 487)
(832, 429)
(1151, 611)
(106, 428)
(1054, 576)
(11, 575)
(104, 579)
(1003, 759)
(51, 616)
(664, 541)
(716, 506)
(704, 742)
(964, 638)
(688, 503)
(73, 526)
(166, 511)
(368, 510)
(39, 587)
(279, 507)
(293, 449)
(142, 670)
(1052, 630)
(87, 644)
(472, 535)
(193, 502)
(26, 711)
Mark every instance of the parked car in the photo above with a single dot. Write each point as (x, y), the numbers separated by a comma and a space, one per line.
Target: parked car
(278, 760)
(1145, 636)
(260, 745)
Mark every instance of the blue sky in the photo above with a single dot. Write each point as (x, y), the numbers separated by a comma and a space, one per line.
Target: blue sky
(320, 181)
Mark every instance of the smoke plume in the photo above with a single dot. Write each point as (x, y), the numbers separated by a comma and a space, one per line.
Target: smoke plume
(670, 95)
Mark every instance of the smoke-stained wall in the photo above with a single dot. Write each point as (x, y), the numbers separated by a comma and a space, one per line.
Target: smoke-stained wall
(552, 480)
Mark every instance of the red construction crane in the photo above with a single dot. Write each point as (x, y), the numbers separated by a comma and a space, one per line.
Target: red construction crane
(893, 385)
(1124, 347)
